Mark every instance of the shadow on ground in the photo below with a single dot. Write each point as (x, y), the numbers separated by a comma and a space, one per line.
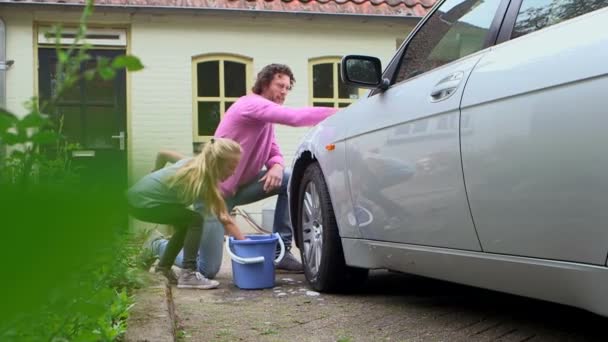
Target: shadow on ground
(448, 298)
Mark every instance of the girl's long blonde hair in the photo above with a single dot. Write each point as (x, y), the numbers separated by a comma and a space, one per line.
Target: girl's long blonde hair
(200, 177)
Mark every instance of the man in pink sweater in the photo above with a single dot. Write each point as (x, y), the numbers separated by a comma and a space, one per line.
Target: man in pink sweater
(261, 173)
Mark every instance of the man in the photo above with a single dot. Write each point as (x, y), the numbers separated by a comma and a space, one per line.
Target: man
(261, 172)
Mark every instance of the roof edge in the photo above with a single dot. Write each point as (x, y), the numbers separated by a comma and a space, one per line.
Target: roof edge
(210, 9)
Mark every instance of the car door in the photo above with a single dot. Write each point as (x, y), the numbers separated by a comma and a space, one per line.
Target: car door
(403, 152)
(535, 158)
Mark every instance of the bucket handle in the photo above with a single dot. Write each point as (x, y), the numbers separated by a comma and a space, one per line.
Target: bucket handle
(255, 260)
(238, 259)
(282, 253)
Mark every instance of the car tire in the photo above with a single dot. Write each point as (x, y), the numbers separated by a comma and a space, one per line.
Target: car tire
(320, 243)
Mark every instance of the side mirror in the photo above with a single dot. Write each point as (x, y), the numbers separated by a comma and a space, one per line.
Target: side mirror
(363, 72)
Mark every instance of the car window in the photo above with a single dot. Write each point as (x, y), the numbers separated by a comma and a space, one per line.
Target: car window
(458, 28)
(537, 14)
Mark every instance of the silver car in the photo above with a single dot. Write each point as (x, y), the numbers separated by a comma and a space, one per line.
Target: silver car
(479, 157)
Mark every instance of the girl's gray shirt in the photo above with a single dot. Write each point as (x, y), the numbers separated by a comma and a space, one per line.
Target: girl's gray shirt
(152, 190)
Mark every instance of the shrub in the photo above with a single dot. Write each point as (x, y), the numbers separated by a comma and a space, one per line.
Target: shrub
(67, 253)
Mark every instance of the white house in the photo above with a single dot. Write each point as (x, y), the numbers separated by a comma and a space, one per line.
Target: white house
(199, 56)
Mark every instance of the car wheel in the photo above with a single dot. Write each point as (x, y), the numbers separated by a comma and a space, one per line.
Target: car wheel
(321, 247)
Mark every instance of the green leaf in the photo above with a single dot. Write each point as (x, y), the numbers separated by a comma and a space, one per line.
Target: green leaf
(22, 133)
(69, 81)
(89, 75)
(45, 137)
(62, 56)
(32, 105)
(82, 57)
(131, 63)
(107, 73)
(102, 62)
(7, 119)
(32, 120)
(12, 139)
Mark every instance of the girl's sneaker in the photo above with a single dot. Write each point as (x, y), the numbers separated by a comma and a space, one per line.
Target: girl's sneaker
(168, 272)
(189, 279)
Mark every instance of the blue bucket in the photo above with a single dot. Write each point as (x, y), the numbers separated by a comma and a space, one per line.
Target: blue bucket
(253, 260)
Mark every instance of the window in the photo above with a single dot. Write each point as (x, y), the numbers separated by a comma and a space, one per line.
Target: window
(327, 88)
(537, 14)
(218, 81)
(458, 28)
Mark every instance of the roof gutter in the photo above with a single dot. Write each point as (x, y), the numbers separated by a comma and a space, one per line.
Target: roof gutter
(210, 9)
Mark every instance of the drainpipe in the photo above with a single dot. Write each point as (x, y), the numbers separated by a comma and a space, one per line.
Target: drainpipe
(4, 64)
(3, 67)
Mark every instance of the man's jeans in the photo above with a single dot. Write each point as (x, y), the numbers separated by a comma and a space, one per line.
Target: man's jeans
(210, 251)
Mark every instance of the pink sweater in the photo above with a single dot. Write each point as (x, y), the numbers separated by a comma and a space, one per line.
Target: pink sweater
(249, 121)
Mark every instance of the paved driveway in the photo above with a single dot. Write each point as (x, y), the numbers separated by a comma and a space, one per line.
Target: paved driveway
(390, 307)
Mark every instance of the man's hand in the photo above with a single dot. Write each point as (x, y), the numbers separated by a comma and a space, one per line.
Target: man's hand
(273, 178)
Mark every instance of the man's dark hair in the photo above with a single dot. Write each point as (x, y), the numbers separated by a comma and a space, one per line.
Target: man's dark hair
(266, 75)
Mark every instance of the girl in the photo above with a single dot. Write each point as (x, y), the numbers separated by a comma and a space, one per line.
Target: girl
(165, 195)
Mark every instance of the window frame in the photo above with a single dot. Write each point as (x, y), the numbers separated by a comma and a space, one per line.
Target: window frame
(509, 23)
(335, 100)
(490, 39)
(222, 99)
(506, 30)
(390, 72)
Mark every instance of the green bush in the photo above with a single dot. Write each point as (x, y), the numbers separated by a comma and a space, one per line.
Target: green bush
(68, 255)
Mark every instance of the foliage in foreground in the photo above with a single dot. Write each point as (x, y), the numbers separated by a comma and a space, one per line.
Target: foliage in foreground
(68, 256)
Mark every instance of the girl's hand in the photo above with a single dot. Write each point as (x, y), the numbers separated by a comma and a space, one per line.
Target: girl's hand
(230, 227)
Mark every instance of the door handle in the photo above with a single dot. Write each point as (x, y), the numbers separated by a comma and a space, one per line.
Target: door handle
(121, 140)
(446, 87)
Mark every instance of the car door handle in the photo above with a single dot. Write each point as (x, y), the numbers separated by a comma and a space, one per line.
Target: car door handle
(446, 87)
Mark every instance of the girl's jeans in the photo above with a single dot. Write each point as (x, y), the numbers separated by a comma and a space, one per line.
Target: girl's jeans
(188, 226)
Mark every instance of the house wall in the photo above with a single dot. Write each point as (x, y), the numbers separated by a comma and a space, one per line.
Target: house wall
(160, 96)
(20, 48)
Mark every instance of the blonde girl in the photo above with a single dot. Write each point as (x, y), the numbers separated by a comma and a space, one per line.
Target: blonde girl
(164, 197)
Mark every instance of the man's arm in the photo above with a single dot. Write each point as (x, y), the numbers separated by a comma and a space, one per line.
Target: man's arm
(268, 111)
(166, 156)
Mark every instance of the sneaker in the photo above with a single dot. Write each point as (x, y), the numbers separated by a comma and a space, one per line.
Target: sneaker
(146, 256)
(194, 280)
(290, 264)
(168, 272)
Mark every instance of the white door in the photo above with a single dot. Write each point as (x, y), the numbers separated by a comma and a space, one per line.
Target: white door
(403, 152)
(535, 163)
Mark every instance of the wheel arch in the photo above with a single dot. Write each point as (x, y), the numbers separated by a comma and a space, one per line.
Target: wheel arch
(305, 158)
